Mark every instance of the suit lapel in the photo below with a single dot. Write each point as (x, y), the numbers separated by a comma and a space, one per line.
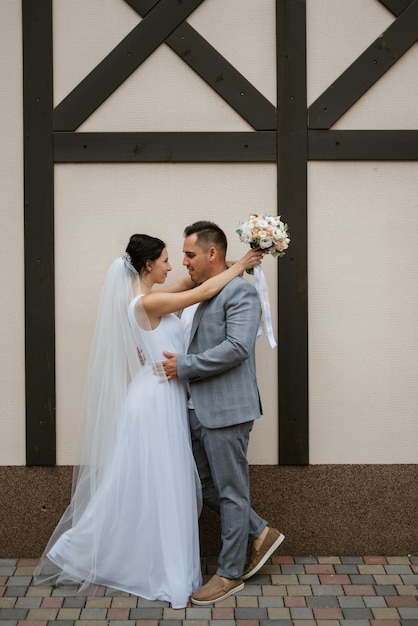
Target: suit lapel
(198, 314)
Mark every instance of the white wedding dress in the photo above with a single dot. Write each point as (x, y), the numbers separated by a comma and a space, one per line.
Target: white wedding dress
(141, 526)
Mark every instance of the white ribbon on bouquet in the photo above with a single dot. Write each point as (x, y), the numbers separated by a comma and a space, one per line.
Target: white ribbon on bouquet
(261, 286)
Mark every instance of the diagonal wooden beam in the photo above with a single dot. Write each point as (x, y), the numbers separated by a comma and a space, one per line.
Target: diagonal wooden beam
(119, 64)
(213, 68)
(396, 6)
(366, 70)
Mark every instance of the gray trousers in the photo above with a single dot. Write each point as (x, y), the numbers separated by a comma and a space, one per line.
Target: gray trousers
(221, 459)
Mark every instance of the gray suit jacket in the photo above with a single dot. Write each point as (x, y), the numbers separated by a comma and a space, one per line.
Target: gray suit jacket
(220, 364)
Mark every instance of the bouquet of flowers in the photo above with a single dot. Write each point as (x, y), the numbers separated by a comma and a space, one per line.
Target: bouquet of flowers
(268, 232)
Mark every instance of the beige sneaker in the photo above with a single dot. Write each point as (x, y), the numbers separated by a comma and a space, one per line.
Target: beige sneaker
(216, 589)
(257, 558)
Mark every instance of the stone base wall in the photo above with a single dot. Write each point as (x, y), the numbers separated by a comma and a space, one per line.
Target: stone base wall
(322, 509)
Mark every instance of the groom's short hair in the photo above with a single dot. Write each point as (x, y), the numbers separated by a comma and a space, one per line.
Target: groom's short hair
(208, 234)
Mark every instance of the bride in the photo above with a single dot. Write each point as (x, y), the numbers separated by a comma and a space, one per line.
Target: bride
(132, 523)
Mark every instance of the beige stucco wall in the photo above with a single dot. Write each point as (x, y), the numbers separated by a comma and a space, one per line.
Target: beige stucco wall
(363, 297)
(12, 347)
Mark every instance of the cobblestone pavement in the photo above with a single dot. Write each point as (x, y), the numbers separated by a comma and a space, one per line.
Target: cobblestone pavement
(299, 591)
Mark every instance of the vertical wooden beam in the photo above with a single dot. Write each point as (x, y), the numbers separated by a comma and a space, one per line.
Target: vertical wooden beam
(292, 205)
(39, 232)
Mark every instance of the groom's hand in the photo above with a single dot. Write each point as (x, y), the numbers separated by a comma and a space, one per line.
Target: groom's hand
(170, 365)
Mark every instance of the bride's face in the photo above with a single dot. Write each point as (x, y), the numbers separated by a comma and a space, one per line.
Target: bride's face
(160, 268)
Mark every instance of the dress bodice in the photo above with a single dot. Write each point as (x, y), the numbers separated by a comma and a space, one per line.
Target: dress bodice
(167, 336)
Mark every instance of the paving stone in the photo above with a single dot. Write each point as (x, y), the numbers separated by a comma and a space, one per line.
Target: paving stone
(94, 614)
(93, 622)
(346, 569)
(309, 579)
(371, 569)
(355, 560)
(74, 602)
(65, 591)
(301, 613)
(284, 579)
(146, 613)
(16, 591)
(392, 579)
(273, 590)
(298, 590)
(292, 569)
(406, 590)
(360, 590)
(398, 569)
(250, 590)
(357, 613)
(69, 614)
(346, 602)
(17, 614)
(306, 559)
(327, 590)
(408, 613)
(170, 613)
(295, 602)
(36, 615)
(60, 622)
(199, 613)
(388, 613)
(7, 603)
(386, 590)
(28, 603)
(247, 601)
(397, 560)
(362, 579)
(375, 601)
(267, 601)
(411, 579)
(243, 613)
(354, 622)
(322, 601)
(327, 613)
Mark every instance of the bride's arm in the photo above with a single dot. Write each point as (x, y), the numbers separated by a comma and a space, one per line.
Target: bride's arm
(183, 284)
(161, 303)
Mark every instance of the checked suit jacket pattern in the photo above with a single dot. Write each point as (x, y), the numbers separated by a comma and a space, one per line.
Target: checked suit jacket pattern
(220, 363)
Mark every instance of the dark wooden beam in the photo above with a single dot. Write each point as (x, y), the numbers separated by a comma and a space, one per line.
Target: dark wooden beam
(396, 6)
(218, 73)
(366, 70)
(121, 62)
(363, 145)
(292, 206)
(39, 232)
(165, 147)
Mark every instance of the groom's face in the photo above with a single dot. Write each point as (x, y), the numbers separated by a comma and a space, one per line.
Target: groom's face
(196, 259)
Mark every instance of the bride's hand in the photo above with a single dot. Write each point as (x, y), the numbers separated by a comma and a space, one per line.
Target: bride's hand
(253, 257)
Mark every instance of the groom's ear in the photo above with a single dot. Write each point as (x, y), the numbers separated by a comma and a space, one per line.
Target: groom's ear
(213, 253)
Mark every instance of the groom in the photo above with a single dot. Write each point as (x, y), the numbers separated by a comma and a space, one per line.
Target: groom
(224, 401)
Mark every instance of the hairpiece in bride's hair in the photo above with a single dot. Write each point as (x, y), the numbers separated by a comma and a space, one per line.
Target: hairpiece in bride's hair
(127, 258)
